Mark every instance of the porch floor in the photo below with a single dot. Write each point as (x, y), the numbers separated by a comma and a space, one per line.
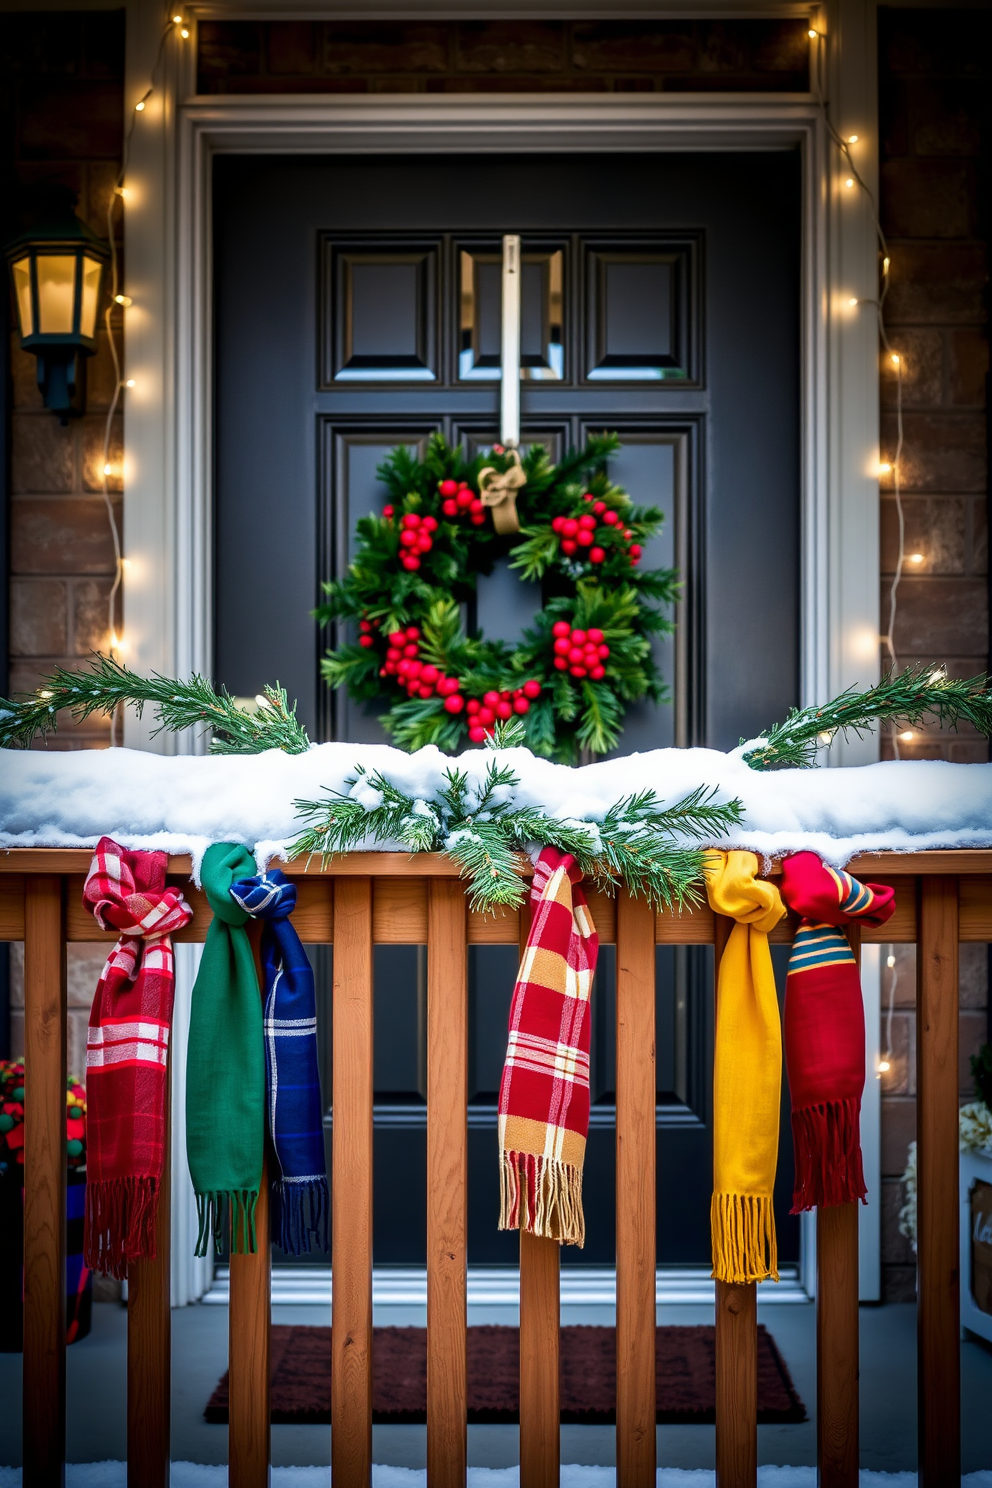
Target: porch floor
(96, 1394)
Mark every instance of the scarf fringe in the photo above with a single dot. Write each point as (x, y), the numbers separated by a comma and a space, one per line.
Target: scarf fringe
(211, 1212)
(301, 1215)
(743, 1232)
(543, 1196)
(120, 1224)
(827, 1141)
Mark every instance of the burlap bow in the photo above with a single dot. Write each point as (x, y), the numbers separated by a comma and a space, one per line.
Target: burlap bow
(498, 489)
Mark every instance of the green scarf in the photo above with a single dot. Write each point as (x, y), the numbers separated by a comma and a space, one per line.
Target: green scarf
(225, 1067)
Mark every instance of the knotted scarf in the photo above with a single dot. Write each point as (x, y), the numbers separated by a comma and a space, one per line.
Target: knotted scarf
(127, 1054)
(300, 1201)
(747, 1073)
(544, 1093)
(225, 1078)
(825, 1028)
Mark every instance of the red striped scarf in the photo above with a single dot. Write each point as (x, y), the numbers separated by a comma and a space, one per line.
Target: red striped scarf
(127, 1053)
(544, 1093)
(825, 1028)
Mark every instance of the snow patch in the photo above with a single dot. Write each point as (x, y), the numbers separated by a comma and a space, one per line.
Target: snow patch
(181, 804)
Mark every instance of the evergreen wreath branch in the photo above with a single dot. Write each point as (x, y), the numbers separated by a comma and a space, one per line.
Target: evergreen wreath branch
(918, 693)
(640, 843)
(106, 684)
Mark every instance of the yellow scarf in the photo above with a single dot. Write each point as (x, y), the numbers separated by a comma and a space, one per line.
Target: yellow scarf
(747, 1073)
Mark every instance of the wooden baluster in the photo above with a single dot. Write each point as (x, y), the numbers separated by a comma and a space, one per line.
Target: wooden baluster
(447, 1178)
(149, 1346)
(938, 1303)
(736, 1348)
(44, 1182)
(837, 1366)
(351, 1209)
(540, 1315)
(249, 1431)
(636, 1146)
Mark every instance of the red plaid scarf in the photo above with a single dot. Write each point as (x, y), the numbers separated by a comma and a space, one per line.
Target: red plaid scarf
(544, 1094)
(127, 1053)
(825, 1028)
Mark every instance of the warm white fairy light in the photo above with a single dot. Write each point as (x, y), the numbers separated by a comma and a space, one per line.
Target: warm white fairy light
(139, 107)
(123, 299)
(907, 736)
(852, 139)
(896, 359)
(130, 382)
(916, 557)
(853, 301)
(884, 467)
(849, 183)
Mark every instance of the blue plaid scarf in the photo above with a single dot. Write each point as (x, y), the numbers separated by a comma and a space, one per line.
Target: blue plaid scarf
(300, 1204)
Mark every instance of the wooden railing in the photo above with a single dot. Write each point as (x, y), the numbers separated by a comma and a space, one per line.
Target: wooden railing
(379, 898)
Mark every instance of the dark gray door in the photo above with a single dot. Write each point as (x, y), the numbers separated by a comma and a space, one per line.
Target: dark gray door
(357, 307)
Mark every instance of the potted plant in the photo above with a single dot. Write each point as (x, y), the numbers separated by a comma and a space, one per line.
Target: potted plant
(79, 1280)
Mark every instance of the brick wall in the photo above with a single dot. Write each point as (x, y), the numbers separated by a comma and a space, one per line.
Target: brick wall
(61, 117)
(61, 112)
(934, 87)
(502, 56)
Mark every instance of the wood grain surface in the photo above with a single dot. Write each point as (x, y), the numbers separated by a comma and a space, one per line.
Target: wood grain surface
(447, 1182)
(44, 1179)
(351, 1209)
(636, 1099)
(938, 1297)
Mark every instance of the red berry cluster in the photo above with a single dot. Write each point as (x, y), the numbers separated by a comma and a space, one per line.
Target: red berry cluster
(458, 500)
(579, 652)
(580, 532)
(365, 637)
(421, 679)
(415, 536)
(483, 717)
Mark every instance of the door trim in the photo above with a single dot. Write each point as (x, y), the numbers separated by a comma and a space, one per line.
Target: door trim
(168, 461)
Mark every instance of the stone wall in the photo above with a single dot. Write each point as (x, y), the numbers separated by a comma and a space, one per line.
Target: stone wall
(934, 89)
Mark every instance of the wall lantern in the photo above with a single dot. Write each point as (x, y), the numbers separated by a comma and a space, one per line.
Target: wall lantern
(57, 269)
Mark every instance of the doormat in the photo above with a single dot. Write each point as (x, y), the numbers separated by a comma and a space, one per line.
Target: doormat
(686, 1374)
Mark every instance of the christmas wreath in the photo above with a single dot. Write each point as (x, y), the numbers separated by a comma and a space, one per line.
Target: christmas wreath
(448, 519)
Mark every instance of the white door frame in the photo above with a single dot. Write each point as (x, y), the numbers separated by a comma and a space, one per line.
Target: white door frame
(168, 428)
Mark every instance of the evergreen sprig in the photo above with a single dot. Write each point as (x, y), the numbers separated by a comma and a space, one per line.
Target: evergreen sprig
(640, 843)
(912, 696)
(105, 685)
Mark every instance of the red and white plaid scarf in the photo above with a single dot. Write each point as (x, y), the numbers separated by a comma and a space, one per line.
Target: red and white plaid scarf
(544, 1094)
(127, 1053)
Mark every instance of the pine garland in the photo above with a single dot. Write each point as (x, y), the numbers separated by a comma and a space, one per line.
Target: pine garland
(640, 843)
(105, 685)
(912, 696)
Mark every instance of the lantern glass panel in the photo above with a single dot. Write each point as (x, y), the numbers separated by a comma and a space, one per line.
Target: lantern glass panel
(22, 289)
(56, 293)
(92, 271)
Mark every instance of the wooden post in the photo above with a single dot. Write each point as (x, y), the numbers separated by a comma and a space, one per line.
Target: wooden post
(149, 1346)
(837, 1364)
(447, 1180)
(540, 1364)
(44, 1182)
(636, 1146)
(351, 1209)
(938, 1303)
(736, 1346)
(249, 1430)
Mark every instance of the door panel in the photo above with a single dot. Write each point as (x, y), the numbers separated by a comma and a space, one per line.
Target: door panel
(357, 308)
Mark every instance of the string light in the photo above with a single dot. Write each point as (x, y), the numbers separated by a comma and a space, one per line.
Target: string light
(118, 644)
(178, 20)
(916, 557)
(895, 360)
(812, 34)
(907, 736)
(852, 139)
(853, 301)
(884, 468)
(884, 1066)
(849, 182)
(184, 34)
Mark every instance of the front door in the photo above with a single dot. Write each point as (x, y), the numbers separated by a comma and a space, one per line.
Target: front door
(357, 308)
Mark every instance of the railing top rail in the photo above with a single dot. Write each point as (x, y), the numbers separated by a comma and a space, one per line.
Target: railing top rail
(955, 861)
